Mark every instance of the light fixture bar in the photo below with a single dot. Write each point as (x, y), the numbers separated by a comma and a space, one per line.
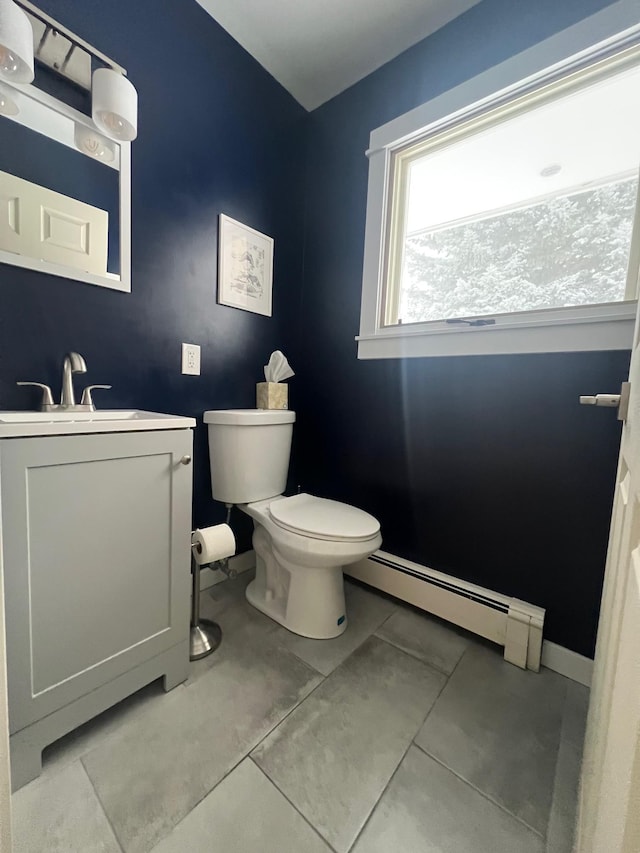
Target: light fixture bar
(51, 23)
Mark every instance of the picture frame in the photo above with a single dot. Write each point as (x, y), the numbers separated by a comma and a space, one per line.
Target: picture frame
(245, 267)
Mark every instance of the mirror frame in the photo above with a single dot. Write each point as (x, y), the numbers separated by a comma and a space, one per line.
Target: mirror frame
(121, 282)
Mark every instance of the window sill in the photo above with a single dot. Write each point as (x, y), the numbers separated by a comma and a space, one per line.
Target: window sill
(611, 332)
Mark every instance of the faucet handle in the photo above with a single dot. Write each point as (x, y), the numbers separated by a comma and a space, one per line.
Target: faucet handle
(47, 397)
(87, 399)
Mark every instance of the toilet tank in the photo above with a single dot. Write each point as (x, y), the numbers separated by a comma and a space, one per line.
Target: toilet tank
(249, 453)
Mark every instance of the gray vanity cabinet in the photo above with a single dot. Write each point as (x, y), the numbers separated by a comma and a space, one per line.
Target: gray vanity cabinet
(95, 546)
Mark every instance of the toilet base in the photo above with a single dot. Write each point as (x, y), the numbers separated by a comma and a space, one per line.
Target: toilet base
(275, 609)
(307, 601)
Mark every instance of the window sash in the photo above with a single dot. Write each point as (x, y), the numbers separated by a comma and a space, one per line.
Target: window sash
(525, 97)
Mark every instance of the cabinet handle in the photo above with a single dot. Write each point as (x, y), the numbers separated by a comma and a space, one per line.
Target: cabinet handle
(185, 460)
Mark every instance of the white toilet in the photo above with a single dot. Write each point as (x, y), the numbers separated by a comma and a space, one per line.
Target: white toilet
(301, 542)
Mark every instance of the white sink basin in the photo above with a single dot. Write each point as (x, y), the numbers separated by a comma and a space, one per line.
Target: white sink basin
(57, 417)
(16, 424)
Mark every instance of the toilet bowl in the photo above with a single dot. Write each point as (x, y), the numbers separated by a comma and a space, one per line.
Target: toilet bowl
(301, 545)
(301, 542)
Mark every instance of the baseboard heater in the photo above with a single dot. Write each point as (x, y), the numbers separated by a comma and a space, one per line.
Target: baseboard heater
(506, 621)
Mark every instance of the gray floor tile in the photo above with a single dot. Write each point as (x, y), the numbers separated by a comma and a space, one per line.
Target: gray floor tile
(333, 756)
(156, 756)
(562, 819)
(230, 591)
(163, 763)
(244, 813)
(574, 722)
(427, 808)
(98, 730)
(242, 625)
(366, 611)
(61, 814)
(564, 805)
(424, 637)
(499, 727)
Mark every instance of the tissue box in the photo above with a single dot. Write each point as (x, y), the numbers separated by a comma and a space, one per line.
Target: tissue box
(272, 395)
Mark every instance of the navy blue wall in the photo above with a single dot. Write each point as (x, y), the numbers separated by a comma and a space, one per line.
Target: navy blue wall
(216, 134)
(483, 467)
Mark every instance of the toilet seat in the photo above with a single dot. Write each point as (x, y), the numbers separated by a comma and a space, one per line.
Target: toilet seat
(319, 518)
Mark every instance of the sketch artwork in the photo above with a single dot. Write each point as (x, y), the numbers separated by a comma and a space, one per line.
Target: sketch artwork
(245, 272)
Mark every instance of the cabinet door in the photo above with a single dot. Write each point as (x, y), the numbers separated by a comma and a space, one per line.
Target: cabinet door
(96, 545)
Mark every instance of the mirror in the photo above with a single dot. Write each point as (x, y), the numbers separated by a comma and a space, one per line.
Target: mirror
(64, 191)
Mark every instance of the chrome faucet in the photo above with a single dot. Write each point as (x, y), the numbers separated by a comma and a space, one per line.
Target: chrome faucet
(73, 363)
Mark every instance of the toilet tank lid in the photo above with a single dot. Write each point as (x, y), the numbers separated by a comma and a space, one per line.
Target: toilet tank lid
(249, 417)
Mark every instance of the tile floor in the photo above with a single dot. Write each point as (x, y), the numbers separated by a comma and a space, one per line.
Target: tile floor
(403, 734)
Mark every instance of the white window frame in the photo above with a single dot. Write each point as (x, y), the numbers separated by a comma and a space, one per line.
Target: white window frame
(588, 327)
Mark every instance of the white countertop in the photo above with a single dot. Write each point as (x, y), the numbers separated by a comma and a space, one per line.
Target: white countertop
(22, 424)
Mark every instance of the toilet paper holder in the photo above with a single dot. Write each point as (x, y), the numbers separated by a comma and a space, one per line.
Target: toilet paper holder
(221, 565)
(205, 635)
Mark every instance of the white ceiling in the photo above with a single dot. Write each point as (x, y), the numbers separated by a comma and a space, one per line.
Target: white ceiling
(318, 48)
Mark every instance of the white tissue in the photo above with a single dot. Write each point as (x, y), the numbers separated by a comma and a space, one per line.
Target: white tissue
(213, 543)
(278, 368)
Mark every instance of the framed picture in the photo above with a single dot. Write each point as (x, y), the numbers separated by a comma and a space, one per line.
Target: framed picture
(245, 267)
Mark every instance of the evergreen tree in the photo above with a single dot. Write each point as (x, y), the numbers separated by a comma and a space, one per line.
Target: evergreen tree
(565, 251)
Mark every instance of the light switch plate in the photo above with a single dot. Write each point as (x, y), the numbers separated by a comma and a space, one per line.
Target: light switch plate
(191, 359)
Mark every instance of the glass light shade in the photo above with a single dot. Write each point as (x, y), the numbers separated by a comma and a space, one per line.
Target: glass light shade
(114, 104)
(16, 44)
(8, 106)
(91, 143)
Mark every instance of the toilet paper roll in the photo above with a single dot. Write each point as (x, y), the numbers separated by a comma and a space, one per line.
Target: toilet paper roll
(213, 543)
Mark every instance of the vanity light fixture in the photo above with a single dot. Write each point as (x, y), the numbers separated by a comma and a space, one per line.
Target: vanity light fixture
(114, 104)
(114, 98)
(8, 107)
(16, 44)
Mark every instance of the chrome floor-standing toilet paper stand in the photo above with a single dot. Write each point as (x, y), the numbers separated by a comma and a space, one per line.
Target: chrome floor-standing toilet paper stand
(206, 635)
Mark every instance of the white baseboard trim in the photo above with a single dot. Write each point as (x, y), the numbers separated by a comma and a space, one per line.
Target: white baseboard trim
(240, 563)
(507, 621)
(570, 664)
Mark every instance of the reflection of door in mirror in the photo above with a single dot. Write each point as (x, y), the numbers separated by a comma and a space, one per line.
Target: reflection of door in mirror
(65, 188)
(40, 223)
(58, 204)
